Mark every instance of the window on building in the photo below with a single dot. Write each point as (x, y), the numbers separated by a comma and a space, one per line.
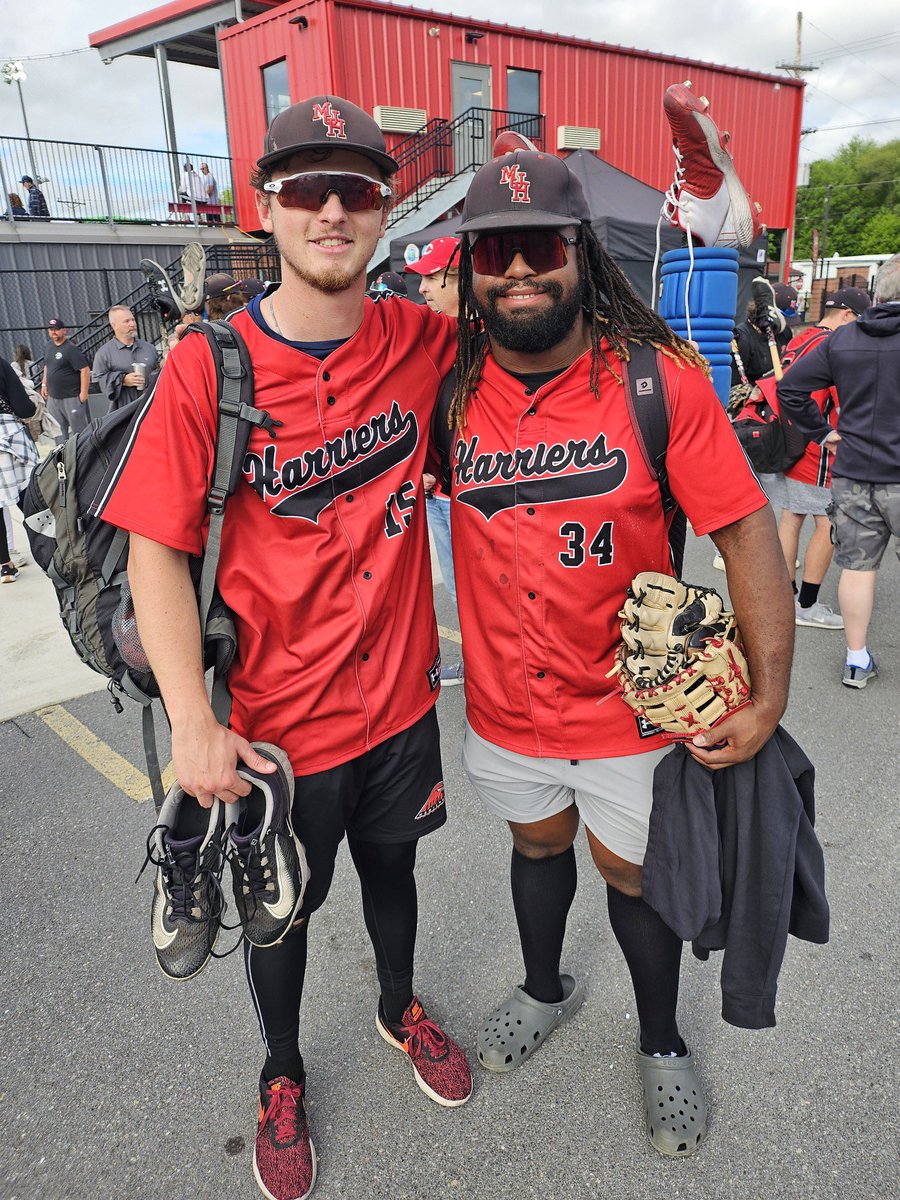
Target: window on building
(523, 97)
(275, 89)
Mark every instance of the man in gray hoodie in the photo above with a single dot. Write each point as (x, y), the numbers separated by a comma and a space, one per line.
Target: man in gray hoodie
(862, 361)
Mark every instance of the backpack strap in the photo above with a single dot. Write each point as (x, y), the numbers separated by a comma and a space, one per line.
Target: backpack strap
(649, 408)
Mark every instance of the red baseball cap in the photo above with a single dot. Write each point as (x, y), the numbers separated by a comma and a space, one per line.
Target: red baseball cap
(436, 256)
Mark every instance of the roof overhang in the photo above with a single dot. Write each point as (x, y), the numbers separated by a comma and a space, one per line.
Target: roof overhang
(187, 29)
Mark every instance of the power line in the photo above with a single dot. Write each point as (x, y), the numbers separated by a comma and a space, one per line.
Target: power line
(868, 66)
(857, 125)
(54, 54)
(820, 187)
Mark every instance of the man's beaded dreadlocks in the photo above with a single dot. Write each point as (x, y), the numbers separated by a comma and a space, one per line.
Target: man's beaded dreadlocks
(619, 316)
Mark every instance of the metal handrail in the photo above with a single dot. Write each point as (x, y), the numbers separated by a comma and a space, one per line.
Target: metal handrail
(443, 150)
(94, 182)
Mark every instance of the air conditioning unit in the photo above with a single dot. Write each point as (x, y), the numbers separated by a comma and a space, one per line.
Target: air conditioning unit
(575, 137)
(399, 120)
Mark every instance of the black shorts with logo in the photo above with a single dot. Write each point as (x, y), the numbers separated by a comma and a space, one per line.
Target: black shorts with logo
(392, 793)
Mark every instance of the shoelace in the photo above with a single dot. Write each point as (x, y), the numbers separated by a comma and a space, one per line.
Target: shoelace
(181, 876)
(282, 1112)
(425, 1035)
(256, 875)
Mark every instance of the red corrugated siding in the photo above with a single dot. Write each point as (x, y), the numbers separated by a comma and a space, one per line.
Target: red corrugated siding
(385, 56)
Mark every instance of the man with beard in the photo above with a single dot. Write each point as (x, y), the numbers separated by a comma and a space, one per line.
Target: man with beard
(554, 513)
(324, 563)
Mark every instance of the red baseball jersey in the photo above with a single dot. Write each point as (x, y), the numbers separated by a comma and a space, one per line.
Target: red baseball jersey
(324, 559)
(554, 513)
(815, 465)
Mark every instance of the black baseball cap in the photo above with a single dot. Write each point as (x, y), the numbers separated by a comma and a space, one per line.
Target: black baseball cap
(56, 323)
(251, 286)
(218, 285)
(526, 189)
(26, 179)
(325, 123)
(389, 281)
(856, 299)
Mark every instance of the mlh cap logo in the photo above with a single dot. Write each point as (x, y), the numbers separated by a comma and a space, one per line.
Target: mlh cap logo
(518, 182)
(331, 118)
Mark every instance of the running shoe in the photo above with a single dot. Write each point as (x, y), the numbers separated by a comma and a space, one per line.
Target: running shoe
(818, 616)
(268, 861)
(8, 573)
(186, 914)
(284, 1158)
(452, 674)
(193, 265)
(440, 1066)
(508, 141)
(858, 677)
(706, 197)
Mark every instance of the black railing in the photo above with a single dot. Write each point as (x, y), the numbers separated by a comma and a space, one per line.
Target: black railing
(115, 184)
(243, 262)
(441, 150)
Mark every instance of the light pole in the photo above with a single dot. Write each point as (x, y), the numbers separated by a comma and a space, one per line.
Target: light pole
(14, 73)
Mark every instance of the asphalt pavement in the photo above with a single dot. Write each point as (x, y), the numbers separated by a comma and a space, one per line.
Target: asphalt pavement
(118, 1083)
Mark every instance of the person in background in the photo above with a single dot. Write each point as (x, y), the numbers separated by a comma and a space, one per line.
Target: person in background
(37, 205)
(192, 186)
(222, 296)
(66, 380)
(438, 283)
(16, 207)
(18, 458)
(805, 488)
(115, 361)
(862, 362)
(211, 192)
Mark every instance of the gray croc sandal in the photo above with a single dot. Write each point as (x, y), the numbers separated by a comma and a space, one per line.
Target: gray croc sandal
(673, 1103)
(514, 1031)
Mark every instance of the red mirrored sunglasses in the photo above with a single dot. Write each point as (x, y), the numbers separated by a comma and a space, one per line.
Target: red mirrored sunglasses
(543, 249)
(311, 189)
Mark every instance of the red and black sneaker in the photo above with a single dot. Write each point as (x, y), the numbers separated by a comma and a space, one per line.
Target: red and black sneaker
(440, 1066)
(284, 1158)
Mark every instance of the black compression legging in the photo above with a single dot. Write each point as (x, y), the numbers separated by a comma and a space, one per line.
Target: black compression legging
(390, 909)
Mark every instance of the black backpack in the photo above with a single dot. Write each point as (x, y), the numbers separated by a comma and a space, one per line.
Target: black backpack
(86, 558)
(648, 407)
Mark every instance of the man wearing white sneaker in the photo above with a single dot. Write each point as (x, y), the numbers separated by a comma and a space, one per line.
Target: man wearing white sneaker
(862, 361)
(805, 488)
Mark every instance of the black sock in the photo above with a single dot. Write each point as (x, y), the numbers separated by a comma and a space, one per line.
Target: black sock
(793, 587)
(653, 954)
(809, 594)
(288, 1064)
(542, 892)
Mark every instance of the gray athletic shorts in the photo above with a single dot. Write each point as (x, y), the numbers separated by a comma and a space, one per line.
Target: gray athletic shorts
(796, 497)
(613, 795)
(863, 518)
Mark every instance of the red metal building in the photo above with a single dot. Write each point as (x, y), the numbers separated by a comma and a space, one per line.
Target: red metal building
(411, 67)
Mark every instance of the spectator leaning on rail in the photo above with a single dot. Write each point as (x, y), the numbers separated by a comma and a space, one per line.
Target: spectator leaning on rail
(115, 361)
(862, 361)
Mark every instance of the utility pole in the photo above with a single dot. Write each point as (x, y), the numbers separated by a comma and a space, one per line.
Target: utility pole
(797, 68)
(824, 248)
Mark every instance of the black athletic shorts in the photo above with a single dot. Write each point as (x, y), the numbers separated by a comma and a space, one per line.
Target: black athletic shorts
(392, 793)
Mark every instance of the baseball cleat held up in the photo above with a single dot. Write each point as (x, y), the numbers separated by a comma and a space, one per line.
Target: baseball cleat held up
(706, 198)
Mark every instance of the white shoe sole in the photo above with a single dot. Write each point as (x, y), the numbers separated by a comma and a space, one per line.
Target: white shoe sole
(739, 201)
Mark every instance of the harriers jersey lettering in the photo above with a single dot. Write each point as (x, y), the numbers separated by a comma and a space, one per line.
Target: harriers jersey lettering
(542, 474)
(335, 619)
(554, 513)
(308, 483)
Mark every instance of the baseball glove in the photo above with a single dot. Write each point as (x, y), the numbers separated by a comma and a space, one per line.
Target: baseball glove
(681, 664)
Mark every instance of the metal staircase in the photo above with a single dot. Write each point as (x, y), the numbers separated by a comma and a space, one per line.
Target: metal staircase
(436, 164)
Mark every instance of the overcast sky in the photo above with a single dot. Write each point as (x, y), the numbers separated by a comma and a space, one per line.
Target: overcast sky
(77, 98)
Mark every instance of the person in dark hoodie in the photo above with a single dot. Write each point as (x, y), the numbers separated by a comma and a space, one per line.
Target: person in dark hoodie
(862, 361)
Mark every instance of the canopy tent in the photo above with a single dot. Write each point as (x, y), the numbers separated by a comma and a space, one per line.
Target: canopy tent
(624, 215)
